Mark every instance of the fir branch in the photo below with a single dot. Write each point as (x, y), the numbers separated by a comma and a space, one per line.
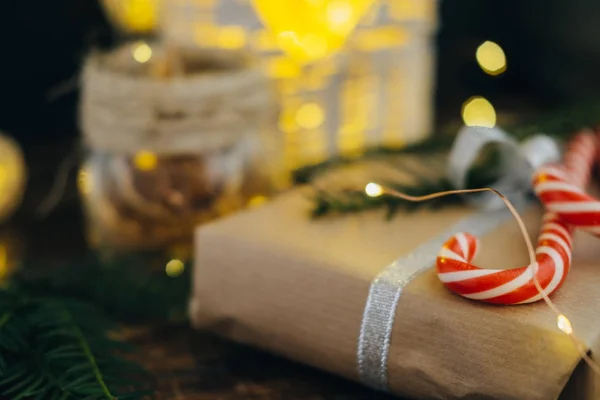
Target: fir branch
(559, 124)
(59, 348)
(353, 201)
(85, 347)
(54, 345)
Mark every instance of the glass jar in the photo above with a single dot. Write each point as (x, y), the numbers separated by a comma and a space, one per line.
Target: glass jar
(169, 151)
(376, 91)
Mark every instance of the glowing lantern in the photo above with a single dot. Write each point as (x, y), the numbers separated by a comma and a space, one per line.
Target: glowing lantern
(309, 30)
(352, 74)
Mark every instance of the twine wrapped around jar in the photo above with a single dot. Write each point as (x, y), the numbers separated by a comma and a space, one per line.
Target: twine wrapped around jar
(210, 100)
(198, 118)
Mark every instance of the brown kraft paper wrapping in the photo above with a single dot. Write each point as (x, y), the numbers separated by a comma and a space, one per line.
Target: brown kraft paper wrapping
(273, 278)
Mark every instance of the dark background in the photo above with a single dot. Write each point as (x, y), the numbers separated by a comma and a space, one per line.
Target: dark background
(552, 48)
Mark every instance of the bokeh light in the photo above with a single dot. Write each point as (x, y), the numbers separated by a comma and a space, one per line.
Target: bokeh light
(174, 268)
(257, 201)
(145, 160)
(310, 116)
(141, 52)
(491, 58)
(373, 190)
(478, 111)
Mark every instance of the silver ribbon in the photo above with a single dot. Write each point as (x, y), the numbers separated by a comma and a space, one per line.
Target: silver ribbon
(517, 166)
(517, 162)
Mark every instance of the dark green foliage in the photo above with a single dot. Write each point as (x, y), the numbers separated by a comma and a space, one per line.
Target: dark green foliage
(60, 348)
(131, 288)
(56, 341)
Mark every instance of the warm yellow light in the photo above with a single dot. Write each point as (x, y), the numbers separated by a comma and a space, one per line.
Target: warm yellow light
(257, 201)
(12, 176)
(3, 175)
(174, 268)
(491, 58)
(141, 52)
(376, 39)
(287, 38)
(232, 37)
(310, 116)
(84, 181)
(339, 14)
(282, 67)
(145, 160)
(308, 30)
(315, 46)
(3, 261)
(138, 16)
(564, 324)
(287, 117)
(373, 190)
(477, 111)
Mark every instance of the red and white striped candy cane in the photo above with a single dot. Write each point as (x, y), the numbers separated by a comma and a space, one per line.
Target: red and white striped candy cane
(562, 189)
(515, 286)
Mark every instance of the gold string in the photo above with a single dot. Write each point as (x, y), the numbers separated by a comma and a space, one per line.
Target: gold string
(562, 321)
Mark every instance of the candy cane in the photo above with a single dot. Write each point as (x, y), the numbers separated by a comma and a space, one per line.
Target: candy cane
(516, 286)
(561, 189)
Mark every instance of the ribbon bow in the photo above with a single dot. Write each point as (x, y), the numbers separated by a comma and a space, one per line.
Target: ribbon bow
(517, 163)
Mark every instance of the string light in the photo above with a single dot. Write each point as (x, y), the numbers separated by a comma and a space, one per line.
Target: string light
(373, 190)
(141, 52)
(310, 116)
(174, 268)
(145, 160)
(564, 324)
(562, 321)
(491, 58)
(478, 111)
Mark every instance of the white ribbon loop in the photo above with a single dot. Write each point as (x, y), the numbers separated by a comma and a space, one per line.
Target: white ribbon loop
(517, 162)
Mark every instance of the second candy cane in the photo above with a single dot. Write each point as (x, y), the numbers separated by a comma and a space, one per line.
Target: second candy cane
(516, 286)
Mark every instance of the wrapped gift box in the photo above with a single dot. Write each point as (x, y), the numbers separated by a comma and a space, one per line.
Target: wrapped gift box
(273, 278)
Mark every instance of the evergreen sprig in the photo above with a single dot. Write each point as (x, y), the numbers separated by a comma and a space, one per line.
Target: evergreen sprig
(559, 124)
(61, 349)
(56, 337)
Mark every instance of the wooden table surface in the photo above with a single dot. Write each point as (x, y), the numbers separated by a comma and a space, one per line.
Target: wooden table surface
(186, 364)
(192, 365)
